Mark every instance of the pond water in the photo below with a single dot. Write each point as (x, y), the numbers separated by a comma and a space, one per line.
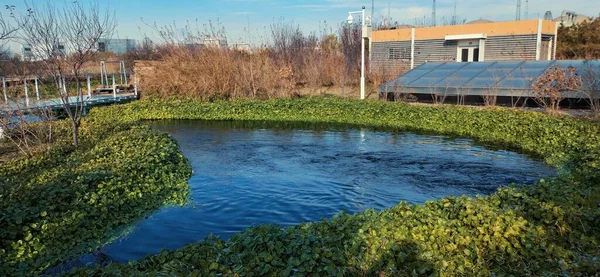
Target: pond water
(253, 173)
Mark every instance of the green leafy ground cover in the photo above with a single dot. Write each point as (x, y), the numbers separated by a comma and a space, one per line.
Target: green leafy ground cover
(68, 201)
(551, 228)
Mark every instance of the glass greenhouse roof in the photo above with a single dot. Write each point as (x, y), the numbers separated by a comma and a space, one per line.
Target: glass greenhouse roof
(510, 78)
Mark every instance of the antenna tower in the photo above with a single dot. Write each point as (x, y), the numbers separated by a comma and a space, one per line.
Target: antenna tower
(454, 14)
(433, 15)
(518, 17)
(372, 8)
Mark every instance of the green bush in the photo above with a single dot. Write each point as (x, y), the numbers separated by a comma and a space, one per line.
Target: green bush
(68, 201)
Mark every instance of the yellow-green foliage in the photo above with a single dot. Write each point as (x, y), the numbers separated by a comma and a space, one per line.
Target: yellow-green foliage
(70, 201)
(551, 228)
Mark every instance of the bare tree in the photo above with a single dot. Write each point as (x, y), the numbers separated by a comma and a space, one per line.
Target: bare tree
(490, 94)
(27, 131)
(64, 39)
(590, 85)
(549, 89)
(8, 29)
(350, 40)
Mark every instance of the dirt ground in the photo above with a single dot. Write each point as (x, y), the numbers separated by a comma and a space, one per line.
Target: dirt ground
(345, 92)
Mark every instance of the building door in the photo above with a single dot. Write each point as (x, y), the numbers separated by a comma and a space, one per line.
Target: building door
(546, 49)
(468, 54)
(464, 55)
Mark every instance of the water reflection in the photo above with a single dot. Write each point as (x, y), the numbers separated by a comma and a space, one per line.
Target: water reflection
(253, 173)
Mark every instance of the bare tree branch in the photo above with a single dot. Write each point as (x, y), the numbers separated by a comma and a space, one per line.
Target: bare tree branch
(64, 39)
(7, 29)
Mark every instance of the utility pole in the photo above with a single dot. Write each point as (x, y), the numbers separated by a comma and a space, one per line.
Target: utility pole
(518, 17)
(526, 9)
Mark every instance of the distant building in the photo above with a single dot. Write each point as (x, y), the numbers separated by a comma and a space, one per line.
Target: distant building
(27, 52)
(117, 46)
(215, 42)
(569, 19)
(31, 53)
(480, 21)
(59, 49)
(480, 40)
(242, 46)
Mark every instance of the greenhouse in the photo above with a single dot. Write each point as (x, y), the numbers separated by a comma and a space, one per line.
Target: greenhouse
(510, 78)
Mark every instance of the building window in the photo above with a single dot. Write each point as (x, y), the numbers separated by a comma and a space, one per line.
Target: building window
(394, 54)
(398, 54)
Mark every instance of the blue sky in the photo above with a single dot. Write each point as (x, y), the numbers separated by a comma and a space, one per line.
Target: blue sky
(249, 20)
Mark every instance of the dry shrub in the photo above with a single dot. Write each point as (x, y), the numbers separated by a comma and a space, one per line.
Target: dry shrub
(221, 73)
(323, 69)
(27, 132)
(213, 73)
(186, 66)
(590, 86)
(380, 74)
(383, 73)
(553, 86)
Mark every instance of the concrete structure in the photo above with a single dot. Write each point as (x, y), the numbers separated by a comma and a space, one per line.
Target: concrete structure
(242, 47)
(27, 52)
(117, 46)
(568, 18)
(39, 52)
(403, 49)
(219, 42)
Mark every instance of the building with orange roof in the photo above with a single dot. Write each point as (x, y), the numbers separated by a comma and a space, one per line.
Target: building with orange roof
(481, 40)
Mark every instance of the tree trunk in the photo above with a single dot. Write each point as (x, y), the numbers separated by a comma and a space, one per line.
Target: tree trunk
(75, 133)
